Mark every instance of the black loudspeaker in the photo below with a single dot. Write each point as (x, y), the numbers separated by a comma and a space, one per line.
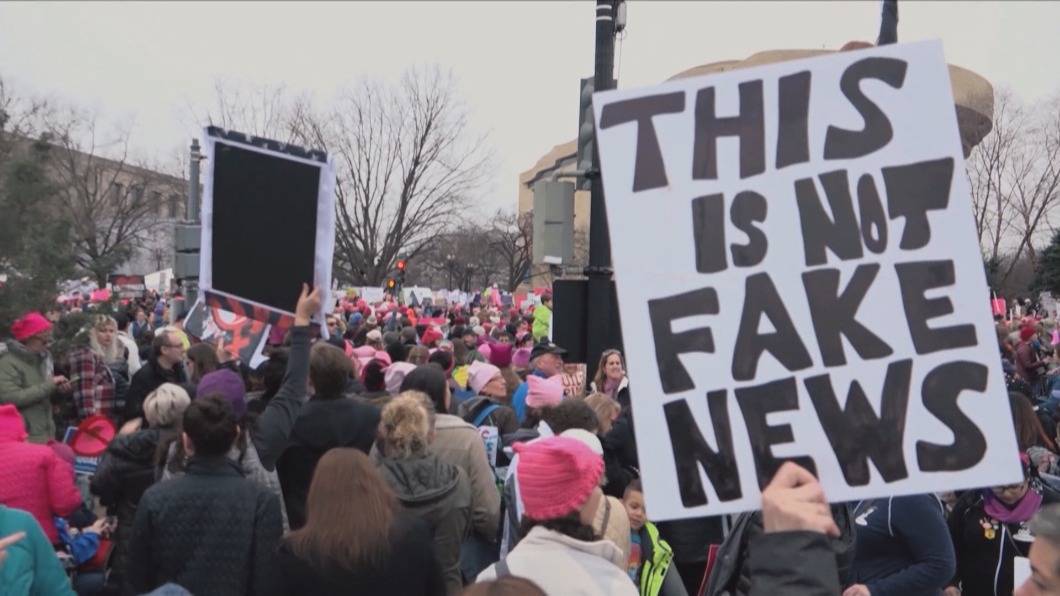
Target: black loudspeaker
(569, 297)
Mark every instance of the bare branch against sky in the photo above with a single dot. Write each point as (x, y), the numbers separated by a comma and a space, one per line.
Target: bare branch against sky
(517, 63)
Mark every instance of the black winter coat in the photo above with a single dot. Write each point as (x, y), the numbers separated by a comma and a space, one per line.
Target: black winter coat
(210, 531)
(800, 563)
(323, 424)
(733, 572)
(126, 470)
(983, 561)
(409, 568)
(147, 379)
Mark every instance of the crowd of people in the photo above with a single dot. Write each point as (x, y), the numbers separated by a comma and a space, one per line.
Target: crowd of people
(442, 450)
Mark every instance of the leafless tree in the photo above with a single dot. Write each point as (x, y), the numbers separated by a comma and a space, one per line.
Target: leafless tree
(113, 204)
(511, 238)
(407, 166)
(1014, 176)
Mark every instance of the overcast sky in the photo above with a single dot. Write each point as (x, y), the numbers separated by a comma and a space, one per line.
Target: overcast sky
(518, 63)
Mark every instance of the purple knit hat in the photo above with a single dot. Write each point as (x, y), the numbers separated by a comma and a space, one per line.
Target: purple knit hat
(226, 384)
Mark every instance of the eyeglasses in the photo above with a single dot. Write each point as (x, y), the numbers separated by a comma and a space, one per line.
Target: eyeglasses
(181, 346)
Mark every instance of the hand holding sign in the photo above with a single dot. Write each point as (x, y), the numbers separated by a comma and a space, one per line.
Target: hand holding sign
(794, 501)
(308, 305)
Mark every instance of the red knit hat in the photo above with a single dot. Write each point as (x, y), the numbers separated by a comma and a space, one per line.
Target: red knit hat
(556, 476)
(28, 325)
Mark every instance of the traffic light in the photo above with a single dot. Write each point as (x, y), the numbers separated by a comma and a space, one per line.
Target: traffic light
(401, 265)
(390, 283)
(586, 132)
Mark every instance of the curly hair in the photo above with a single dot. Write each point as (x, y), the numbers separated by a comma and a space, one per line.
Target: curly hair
(405, 425)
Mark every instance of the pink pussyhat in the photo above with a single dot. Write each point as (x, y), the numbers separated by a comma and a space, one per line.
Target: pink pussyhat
(556, 476)
(544, 393)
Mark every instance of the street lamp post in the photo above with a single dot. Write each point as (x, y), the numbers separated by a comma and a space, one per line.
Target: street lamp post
(449, 270)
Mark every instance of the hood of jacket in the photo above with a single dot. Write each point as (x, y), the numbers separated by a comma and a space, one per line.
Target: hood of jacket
(138, 447)
(18, 350)
(542, 537)
(419, 480)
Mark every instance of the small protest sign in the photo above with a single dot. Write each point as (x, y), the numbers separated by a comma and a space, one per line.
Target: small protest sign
(805, 283)
(268, 222)
(242, 337)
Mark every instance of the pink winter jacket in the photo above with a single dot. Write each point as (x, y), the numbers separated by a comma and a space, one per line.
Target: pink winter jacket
(32, 477)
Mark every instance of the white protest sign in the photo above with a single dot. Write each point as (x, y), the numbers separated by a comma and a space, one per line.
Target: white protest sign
(803, 283)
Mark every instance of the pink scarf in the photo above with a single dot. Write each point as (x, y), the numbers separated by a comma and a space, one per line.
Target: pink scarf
(1021, 512)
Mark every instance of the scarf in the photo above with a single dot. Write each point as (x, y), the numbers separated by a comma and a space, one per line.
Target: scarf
(1021, 512)
(611, 387)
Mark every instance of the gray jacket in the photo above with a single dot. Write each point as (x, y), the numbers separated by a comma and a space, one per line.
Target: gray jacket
(438, 493)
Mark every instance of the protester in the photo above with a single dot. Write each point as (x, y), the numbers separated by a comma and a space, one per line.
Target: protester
(128, 467)
(606, 408)
(501, 357)
(373, 377)
(611, 377)
(164, 366)
(94, 384)
(989, 528)
(431, 489)
(200, 360)
(33, 477)
(357, 534)
(543, 318)
(902, 546)
(27, 379)
(487, 382)
(458, 443)
(139, 325)
(559, 480)
(546, 360)
(132, 351)
(210, 531)
(28, 564)
(1028, 363)
(226, 385)
(650, 556)
(1044, 555)
(327, 420)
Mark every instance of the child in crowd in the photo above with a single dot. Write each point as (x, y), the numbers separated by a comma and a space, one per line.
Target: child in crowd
(649, 556)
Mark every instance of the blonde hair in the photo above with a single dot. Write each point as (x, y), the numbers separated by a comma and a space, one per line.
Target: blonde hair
(406, 424)
(605, 408)
(165, 406)
(111, 353)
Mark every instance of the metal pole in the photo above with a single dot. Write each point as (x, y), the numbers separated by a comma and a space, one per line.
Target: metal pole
(599, 269)
(192, 210)
(191, 286)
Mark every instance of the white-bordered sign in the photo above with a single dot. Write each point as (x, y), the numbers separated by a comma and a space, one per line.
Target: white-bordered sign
(268, 221)
(799, 278)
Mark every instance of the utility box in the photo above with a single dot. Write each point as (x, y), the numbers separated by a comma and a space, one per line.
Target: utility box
(553, 222)
(187, 240)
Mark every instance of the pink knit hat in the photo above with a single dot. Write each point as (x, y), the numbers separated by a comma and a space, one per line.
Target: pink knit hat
(545, 393)
(28, 325)
(521, 358)
(479, 374)
(395, 375)
(12, 427)
(501, 354)
(556, 476)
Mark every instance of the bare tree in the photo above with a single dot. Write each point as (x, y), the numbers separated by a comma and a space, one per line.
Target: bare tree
(1014, 177)
(407, 166)
(511, 238)
(113, 204)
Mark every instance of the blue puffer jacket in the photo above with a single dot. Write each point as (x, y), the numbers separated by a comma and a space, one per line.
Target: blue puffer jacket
(31, 566)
